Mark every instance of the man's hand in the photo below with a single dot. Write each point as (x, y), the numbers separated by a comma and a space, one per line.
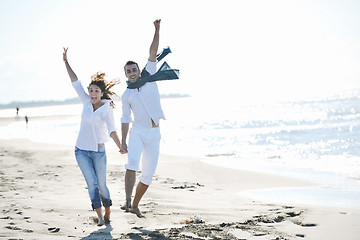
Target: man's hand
(123, 148)
(157, 24)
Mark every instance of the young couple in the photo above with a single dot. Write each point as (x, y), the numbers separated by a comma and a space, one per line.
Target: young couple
(98, 125)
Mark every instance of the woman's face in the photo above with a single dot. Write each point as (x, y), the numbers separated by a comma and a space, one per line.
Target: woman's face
(95, 94)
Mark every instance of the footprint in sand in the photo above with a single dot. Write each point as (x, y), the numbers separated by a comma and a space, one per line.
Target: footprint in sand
(53, 229)
(308, 225)
(13, 228)
(189, 187)
(293, 214)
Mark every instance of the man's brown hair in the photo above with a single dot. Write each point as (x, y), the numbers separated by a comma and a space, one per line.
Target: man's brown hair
(131, 63)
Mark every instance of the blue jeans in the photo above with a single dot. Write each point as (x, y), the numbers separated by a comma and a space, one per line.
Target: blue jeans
(93, 167)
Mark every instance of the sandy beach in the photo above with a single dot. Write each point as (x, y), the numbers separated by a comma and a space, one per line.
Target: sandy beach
(44, 196)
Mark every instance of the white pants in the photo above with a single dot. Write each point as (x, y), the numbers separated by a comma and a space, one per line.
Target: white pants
(147, 142)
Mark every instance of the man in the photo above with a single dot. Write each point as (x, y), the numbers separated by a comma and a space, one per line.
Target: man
(144, 137)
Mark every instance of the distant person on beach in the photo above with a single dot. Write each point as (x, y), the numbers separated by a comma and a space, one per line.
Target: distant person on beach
(17, 111)
(144, 136)
(97, 126)
(27, 121)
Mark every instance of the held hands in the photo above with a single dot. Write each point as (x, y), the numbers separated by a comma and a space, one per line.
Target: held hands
(123, 148)
(65, 54)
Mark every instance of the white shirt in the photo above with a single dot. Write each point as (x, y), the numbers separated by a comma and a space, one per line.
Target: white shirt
(143, 102)
(96, 126)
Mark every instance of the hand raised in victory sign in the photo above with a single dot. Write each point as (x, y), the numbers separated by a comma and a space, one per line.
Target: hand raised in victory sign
(65, 54)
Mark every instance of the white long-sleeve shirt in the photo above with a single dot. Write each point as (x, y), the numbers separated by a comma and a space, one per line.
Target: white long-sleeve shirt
(143, 102)
(96, 126)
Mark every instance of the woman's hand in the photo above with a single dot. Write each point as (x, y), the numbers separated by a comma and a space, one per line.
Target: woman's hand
(123, 148)
(65, 54)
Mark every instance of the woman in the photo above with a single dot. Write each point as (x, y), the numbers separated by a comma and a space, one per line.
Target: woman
(97, 123)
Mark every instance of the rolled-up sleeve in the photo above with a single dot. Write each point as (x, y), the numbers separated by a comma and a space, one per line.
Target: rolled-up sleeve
(151, 67)
(126, 111)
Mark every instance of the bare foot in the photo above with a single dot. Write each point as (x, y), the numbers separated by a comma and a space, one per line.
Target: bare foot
(100, 217)
(126, 206)
(107, 219)
(101, 222)
(136, 211)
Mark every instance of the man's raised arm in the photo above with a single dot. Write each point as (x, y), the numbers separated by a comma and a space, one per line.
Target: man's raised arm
(155, 43)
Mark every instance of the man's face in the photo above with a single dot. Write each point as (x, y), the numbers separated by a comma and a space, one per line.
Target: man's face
(132, 72)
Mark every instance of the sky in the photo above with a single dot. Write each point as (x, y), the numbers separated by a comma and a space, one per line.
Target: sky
(256, 50)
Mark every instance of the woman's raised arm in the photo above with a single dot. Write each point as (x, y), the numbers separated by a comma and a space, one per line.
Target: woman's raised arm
(71, 73)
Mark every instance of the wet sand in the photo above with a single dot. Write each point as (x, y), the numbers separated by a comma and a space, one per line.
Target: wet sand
(44, 196)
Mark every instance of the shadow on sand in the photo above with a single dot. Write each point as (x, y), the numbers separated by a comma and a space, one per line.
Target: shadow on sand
(146, 235)
(103, 233)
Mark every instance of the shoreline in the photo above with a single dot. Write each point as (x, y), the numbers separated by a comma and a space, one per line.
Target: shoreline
(328, 192)
(44, 194)
(332, 190)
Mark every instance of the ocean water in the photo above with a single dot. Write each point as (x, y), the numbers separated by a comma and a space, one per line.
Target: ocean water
(314, 140)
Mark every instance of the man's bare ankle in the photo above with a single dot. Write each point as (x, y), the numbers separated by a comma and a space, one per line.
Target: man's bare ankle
(127, 205)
